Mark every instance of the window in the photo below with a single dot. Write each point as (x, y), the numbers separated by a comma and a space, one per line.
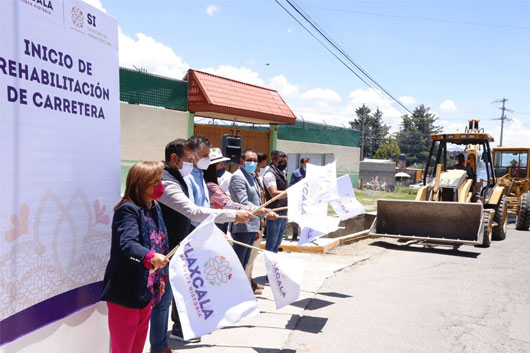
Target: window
(516, 160)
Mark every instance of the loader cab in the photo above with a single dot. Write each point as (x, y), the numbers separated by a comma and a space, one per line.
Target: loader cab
(511, 161)
(478, 169)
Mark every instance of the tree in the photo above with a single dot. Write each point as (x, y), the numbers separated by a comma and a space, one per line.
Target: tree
(389, 149)
(373, 130)
(414, 134)
(378, 132)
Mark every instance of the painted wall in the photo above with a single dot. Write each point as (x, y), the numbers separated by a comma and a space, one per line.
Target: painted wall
(145, 131)
(84, 331)
(347, 157)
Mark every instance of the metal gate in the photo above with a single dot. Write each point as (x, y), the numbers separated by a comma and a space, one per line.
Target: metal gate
(257, 140)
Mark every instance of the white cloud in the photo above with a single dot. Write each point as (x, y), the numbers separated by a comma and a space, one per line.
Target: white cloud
(449, 126)
(448, 106)
(289, 30)
(322, 94)
(407, 100)
(212, 9)
(373, 99)
(285, 88)
(515, 134)
(97, 4)
(236, 73)
(146, 53)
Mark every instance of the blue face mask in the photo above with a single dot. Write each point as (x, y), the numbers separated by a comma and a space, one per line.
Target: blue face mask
(220, 172)
(251, 166)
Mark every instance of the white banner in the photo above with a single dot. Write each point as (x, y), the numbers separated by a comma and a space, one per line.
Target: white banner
(347, 205)
(284, 278)
(209, 284)
(59, 157)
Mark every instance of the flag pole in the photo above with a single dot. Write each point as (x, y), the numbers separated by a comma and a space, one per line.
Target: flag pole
(171, 253)
(245, 245)
(280, 195)
(279, 209)
(285, 217)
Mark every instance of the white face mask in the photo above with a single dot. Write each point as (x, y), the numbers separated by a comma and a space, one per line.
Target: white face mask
(203, 163)
(186, 169)
(261, 172)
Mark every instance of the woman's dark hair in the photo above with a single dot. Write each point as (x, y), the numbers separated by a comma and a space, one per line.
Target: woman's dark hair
(210, 174)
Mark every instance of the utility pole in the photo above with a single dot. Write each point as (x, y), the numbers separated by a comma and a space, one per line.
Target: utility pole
(503, 116)
(363, 128)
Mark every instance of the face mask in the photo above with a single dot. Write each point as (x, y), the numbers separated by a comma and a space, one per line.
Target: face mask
(158, 190)
(303, 169)
(261, 172)
(251, 166)
(220, 172)
(282, 165)
(203, 163)
(186, 169)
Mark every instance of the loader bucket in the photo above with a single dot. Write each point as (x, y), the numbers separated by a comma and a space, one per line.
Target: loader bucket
(449, 222)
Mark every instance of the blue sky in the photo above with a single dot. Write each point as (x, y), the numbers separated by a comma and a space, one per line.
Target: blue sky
(453, 56)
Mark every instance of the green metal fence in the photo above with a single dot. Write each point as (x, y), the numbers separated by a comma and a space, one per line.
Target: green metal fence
(142, 88)
(319, 133)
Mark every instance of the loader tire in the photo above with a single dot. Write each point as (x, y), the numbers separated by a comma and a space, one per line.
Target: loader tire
(487, 240)
(523, 218)
(501, 218)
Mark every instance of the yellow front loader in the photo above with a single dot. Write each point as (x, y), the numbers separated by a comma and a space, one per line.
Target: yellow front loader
(512, 172)
(458, 203)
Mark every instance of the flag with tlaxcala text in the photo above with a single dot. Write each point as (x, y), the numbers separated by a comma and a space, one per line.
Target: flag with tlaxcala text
(308, 202)
(209, 284)
(346, 206)
(284, 278)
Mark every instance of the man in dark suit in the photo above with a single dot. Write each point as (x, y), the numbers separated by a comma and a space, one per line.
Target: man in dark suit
(299, 173)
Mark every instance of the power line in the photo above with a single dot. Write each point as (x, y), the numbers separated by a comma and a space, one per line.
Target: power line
(315, 37)
(357, 70)
(424, 18)
(346, 55)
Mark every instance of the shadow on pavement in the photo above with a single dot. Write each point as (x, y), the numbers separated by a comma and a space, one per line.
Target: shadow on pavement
(311, 303)
(424, 249)
(334, 294)
(182, 347)
(310, 324)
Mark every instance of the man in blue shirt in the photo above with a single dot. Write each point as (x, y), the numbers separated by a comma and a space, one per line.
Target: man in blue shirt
(200, 146)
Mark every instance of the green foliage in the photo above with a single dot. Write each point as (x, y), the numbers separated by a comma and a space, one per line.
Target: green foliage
(413, 136)
(371, 124)
(388, 150)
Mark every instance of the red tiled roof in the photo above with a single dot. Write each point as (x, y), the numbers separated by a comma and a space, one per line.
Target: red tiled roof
(219, 97)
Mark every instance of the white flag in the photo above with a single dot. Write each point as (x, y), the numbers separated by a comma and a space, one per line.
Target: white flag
(209, 284)
(323, 180)
(347, 205)
(311, 231)
(284, 278)
(308, 202)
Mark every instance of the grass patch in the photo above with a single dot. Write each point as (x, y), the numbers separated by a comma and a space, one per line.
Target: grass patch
(368, 198)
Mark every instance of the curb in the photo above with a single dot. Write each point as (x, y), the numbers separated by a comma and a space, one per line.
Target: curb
(322, 249)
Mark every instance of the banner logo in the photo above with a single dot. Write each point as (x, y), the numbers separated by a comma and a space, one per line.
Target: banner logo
(77, 17)
(218, 270)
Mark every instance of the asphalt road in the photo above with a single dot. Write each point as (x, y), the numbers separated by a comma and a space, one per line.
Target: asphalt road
(415, 299)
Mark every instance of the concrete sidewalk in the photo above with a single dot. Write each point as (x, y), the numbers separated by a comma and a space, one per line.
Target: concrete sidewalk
(268, 332)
